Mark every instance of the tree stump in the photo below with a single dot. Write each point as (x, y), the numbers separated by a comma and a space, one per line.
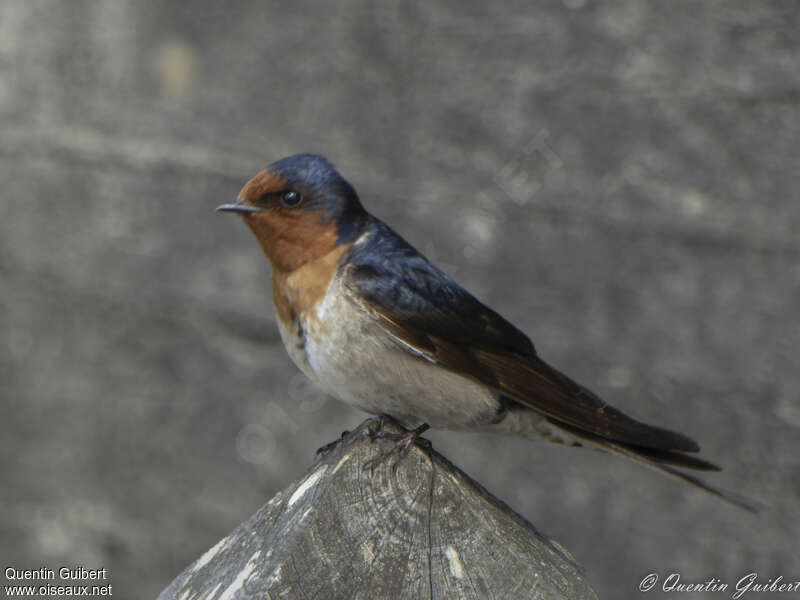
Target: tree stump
(412, 528)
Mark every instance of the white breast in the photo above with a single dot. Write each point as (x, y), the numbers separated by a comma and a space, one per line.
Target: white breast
(342, 349)
(352, 358)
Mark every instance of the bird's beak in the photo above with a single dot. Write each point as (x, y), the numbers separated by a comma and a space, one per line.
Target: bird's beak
(239, 206)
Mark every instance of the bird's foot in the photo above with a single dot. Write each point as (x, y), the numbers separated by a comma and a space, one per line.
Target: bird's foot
(401, 446)
(331, 445)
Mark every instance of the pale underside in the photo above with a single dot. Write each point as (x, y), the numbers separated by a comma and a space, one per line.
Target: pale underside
(343, 349)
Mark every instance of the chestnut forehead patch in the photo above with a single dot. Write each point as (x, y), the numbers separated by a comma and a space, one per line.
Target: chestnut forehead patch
(264, 182)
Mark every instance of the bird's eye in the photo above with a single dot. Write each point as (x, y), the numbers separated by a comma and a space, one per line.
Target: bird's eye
(290, 199)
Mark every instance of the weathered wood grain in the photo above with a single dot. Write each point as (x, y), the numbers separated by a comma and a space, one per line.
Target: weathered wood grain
(414, 528)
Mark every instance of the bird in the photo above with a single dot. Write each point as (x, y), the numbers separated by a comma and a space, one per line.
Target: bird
(377, 325)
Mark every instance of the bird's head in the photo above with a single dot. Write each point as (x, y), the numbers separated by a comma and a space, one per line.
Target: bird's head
(299, 208)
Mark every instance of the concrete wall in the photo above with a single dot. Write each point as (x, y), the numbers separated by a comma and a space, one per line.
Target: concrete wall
(620, 179)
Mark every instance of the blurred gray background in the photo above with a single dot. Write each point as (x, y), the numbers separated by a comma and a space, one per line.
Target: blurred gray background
(619, 179)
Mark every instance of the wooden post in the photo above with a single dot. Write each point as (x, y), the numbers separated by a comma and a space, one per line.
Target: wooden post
(413, 528)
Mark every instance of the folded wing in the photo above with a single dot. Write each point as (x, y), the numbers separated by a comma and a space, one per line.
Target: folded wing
(432, 316)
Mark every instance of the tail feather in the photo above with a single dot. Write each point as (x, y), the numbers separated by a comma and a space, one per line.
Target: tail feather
(634, 454)
(665, 461)
(672, 457)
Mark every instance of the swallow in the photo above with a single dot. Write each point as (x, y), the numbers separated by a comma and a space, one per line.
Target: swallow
(376, 325)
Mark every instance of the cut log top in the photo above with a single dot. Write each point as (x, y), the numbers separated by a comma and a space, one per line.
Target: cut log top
(417, 528)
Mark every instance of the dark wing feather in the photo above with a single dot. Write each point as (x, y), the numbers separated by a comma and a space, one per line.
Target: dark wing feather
(431, 315)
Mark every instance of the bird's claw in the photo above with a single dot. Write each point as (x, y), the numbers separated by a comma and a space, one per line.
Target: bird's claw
(401, 446)
(331, 445)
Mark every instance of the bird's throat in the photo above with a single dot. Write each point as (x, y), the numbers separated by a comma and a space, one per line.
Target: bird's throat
(297, 292)
(292, 241)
